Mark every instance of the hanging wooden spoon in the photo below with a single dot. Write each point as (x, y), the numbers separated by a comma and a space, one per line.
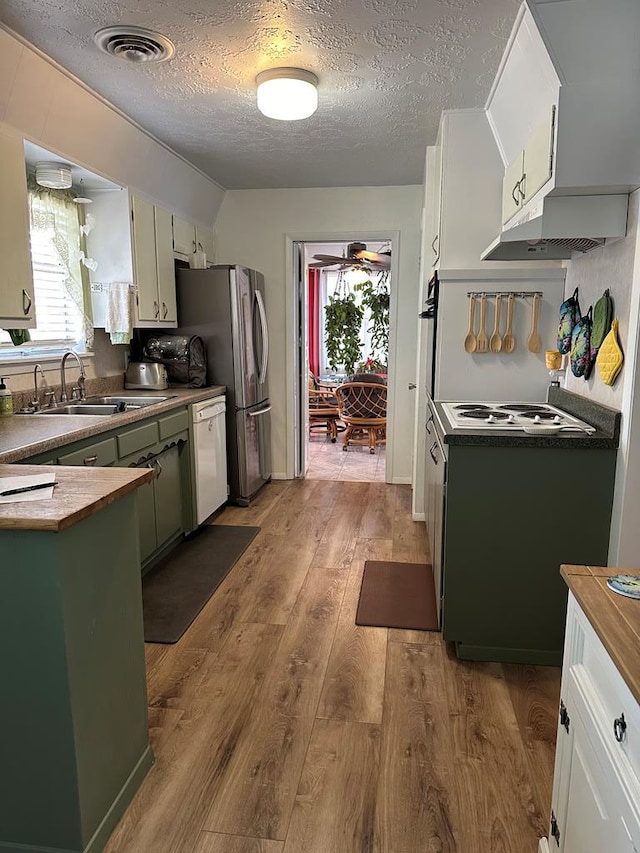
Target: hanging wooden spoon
(482, 341)
(533, 343)
(495, 341)
(508, 341)
(470, 340)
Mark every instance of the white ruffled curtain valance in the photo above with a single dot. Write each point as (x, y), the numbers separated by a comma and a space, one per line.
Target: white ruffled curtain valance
(55, 211)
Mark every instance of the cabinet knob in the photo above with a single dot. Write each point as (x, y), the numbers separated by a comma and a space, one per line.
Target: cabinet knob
(619, 728)
(90, 460)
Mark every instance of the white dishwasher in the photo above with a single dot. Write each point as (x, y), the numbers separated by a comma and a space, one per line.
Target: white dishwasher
(210, 456)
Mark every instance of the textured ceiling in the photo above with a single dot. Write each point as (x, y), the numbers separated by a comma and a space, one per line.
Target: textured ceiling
(387, 69)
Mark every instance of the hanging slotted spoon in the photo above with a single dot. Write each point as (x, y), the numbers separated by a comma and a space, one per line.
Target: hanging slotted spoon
(495, 341)
(508, 341)
(482, 341)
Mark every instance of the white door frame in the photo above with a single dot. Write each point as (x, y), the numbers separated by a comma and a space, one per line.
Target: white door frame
(371, 235)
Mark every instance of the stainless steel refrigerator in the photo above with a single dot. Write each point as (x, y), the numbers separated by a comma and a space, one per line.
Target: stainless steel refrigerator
(225, 306)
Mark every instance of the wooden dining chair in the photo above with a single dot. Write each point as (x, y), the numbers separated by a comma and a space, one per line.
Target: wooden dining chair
(363, 408)
(323, 409)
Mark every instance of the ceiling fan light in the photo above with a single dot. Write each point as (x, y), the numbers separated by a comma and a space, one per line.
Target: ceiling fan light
(287, 94)
(55, 176)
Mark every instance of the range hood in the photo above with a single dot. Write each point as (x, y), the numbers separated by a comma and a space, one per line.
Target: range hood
(561, 225)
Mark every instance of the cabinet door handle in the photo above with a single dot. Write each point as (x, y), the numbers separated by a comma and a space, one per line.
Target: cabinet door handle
(429, 421)
(433, 455)
(513, 193)
(156, 309)
(619, 728)
(26, 302)
(520, 183)
(165, 310)
(158, 466)
(90, 460)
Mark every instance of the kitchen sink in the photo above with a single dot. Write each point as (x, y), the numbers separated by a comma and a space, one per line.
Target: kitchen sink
(105, 405)
(129, 402)
(80, 409)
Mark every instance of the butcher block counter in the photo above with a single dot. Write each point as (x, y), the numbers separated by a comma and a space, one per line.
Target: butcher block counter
(75, 708)
(78, 493)
(615, 618)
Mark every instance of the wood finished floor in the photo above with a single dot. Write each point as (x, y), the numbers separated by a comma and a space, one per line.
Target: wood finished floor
(279, 726)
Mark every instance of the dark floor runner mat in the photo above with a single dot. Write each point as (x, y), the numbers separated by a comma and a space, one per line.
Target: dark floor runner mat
(176, 590)
(397, 595)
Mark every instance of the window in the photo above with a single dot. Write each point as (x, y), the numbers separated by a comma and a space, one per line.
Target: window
(61, 317)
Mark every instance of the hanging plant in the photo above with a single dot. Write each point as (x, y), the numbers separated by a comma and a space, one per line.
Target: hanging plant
(343, 321)
(375, 298)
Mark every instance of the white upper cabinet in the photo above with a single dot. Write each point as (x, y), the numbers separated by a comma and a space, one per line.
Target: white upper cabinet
(463, 191)
(187, 237)
(17, 310)
(153, 264)
(184, 236)
(566, 99)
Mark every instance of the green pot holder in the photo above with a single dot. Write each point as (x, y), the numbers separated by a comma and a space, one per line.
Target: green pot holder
(602, 317)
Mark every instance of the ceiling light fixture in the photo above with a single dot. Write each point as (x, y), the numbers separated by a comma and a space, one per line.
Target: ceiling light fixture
(287, 94)
(55, 176)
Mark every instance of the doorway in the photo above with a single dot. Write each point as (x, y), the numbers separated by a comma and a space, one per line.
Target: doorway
(316, 288)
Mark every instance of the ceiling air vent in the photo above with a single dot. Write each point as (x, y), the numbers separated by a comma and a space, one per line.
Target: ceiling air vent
(134, 44)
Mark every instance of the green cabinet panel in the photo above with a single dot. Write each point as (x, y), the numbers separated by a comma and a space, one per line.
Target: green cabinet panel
(100, 454)
(137, 439)
(147, 521)
(173, 423)
(505, 539)
(168, 497)
(75, 694)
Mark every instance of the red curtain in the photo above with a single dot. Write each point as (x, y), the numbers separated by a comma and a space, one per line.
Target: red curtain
(313, 321)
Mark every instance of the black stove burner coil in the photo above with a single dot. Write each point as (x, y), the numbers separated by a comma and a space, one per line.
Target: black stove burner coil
(524, 407)
(483, 414)
(472, 406)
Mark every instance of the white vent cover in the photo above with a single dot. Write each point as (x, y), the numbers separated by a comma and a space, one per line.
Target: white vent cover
(134, 44)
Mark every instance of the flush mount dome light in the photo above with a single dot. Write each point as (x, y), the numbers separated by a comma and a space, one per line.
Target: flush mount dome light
(55, 176)
(134, 44)
(287, 94)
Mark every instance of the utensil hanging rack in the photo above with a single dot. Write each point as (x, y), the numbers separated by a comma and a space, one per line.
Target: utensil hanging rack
(517, 294)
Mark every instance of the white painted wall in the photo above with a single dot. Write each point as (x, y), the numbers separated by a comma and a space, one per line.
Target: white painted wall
(617, 266)
(253, 227)
(45, 104)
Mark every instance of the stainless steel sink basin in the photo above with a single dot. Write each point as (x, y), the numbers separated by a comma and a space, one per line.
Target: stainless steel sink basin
(129, 402)
(105, 405)
(80, 409)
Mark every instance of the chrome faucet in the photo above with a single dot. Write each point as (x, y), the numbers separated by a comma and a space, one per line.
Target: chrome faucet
(79, 388)
(49, 393)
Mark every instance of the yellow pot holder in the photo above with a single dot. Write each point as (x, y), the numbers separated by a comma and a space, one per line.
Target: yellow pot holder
(610, 357)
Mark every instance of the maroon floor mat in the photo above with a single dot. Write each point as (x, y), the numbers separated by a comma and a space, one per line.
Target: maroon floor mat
(397, 595)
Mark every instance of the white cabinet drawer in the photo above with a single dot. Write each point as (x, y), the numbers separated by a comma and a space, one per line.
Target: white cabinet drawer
(611, 700)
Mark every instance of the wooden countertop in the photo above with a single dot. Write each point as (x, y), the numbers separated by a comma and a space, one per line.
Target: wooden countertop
(615, 618)
(79, 493)
(22, 436)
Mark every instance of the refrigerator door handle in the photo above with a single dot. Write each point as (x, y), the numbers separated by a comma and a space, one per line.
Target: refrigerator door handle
(265, 337)
(259, 412)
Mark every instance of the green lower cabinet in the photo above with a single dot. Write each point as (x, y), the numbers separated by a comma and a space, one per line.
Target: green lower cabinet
(163, 512)
(165, 506)
(168, 496)
(75, 742)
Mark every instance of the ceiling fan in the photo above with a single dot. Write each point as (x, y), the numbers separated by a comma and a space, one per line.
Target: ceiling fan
(357, 257)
